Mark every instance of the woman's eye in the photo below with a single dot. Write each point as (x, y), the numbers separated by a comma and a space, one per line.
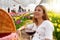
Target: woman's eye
(39, 10)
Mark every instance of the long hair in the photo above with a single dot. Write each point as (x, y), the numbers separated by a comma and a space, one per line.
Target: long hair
(44, 17)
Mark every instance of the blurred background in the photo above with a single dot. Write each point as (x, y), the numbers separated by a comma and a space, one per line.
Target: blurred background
(22, 12)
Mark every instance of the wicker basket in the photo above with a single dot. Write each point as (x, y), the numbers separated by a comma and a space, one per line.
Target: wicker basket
(6, 22)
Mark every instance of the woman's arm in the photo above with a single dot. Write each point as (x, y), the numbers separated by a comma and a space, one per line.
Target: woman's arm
(22, 28)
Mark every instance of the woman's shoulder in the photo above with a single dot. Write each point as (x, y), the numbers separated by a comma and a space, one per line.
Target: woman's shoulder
(48, 24)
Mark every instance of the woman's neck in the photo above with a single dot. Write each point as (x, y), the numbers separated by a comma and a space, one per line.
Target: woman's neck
(40, 21)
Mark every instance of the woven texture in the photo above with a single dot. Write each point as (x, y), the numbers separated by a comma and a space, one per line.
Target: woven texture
(6, 22)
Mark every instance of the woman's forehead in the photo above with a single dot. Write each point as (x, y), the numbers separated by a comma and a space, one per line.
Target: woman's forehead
(39, 8)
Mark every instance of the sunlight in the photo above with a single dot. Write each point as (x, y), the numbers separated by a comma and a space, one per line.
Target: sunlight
(55, 5)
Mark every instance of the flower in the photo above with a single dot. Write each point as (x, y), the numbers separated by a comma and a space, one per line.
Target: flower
(18, 21)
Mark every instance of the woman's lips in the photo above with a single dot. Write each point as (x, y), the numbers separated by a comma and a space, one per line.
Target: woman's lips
(36, 14)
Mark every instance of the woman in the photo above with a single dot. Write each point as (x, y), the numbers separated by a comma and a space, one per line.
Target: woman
(43, 27)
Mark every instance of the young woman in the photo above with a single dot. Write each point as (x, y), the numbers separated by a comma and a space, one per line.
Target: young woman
(44, 28)
(42, 25)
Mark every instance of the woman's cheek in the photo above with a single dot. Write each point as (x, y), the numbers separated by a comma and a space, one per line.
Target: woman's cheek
(40, 15)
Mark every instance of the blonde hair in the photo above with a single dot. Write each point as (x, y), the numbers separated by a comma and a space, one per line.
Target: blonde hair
(44, 17)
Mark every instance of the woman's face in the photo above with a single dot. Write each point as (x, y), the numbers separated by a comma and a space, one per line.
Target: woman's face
(38, 12)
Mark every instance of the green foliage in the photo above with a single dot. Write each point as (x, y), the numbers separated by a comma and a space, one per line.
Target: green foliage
(20, 20)
(55, 19)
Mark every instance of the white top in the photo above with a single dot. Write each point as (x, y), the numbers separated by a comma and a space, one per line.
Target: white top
(44, 30)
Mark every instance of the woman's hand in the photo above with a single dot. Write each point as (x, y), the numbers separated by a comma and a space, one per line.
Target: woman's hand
(19, 30)
(22, 28)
